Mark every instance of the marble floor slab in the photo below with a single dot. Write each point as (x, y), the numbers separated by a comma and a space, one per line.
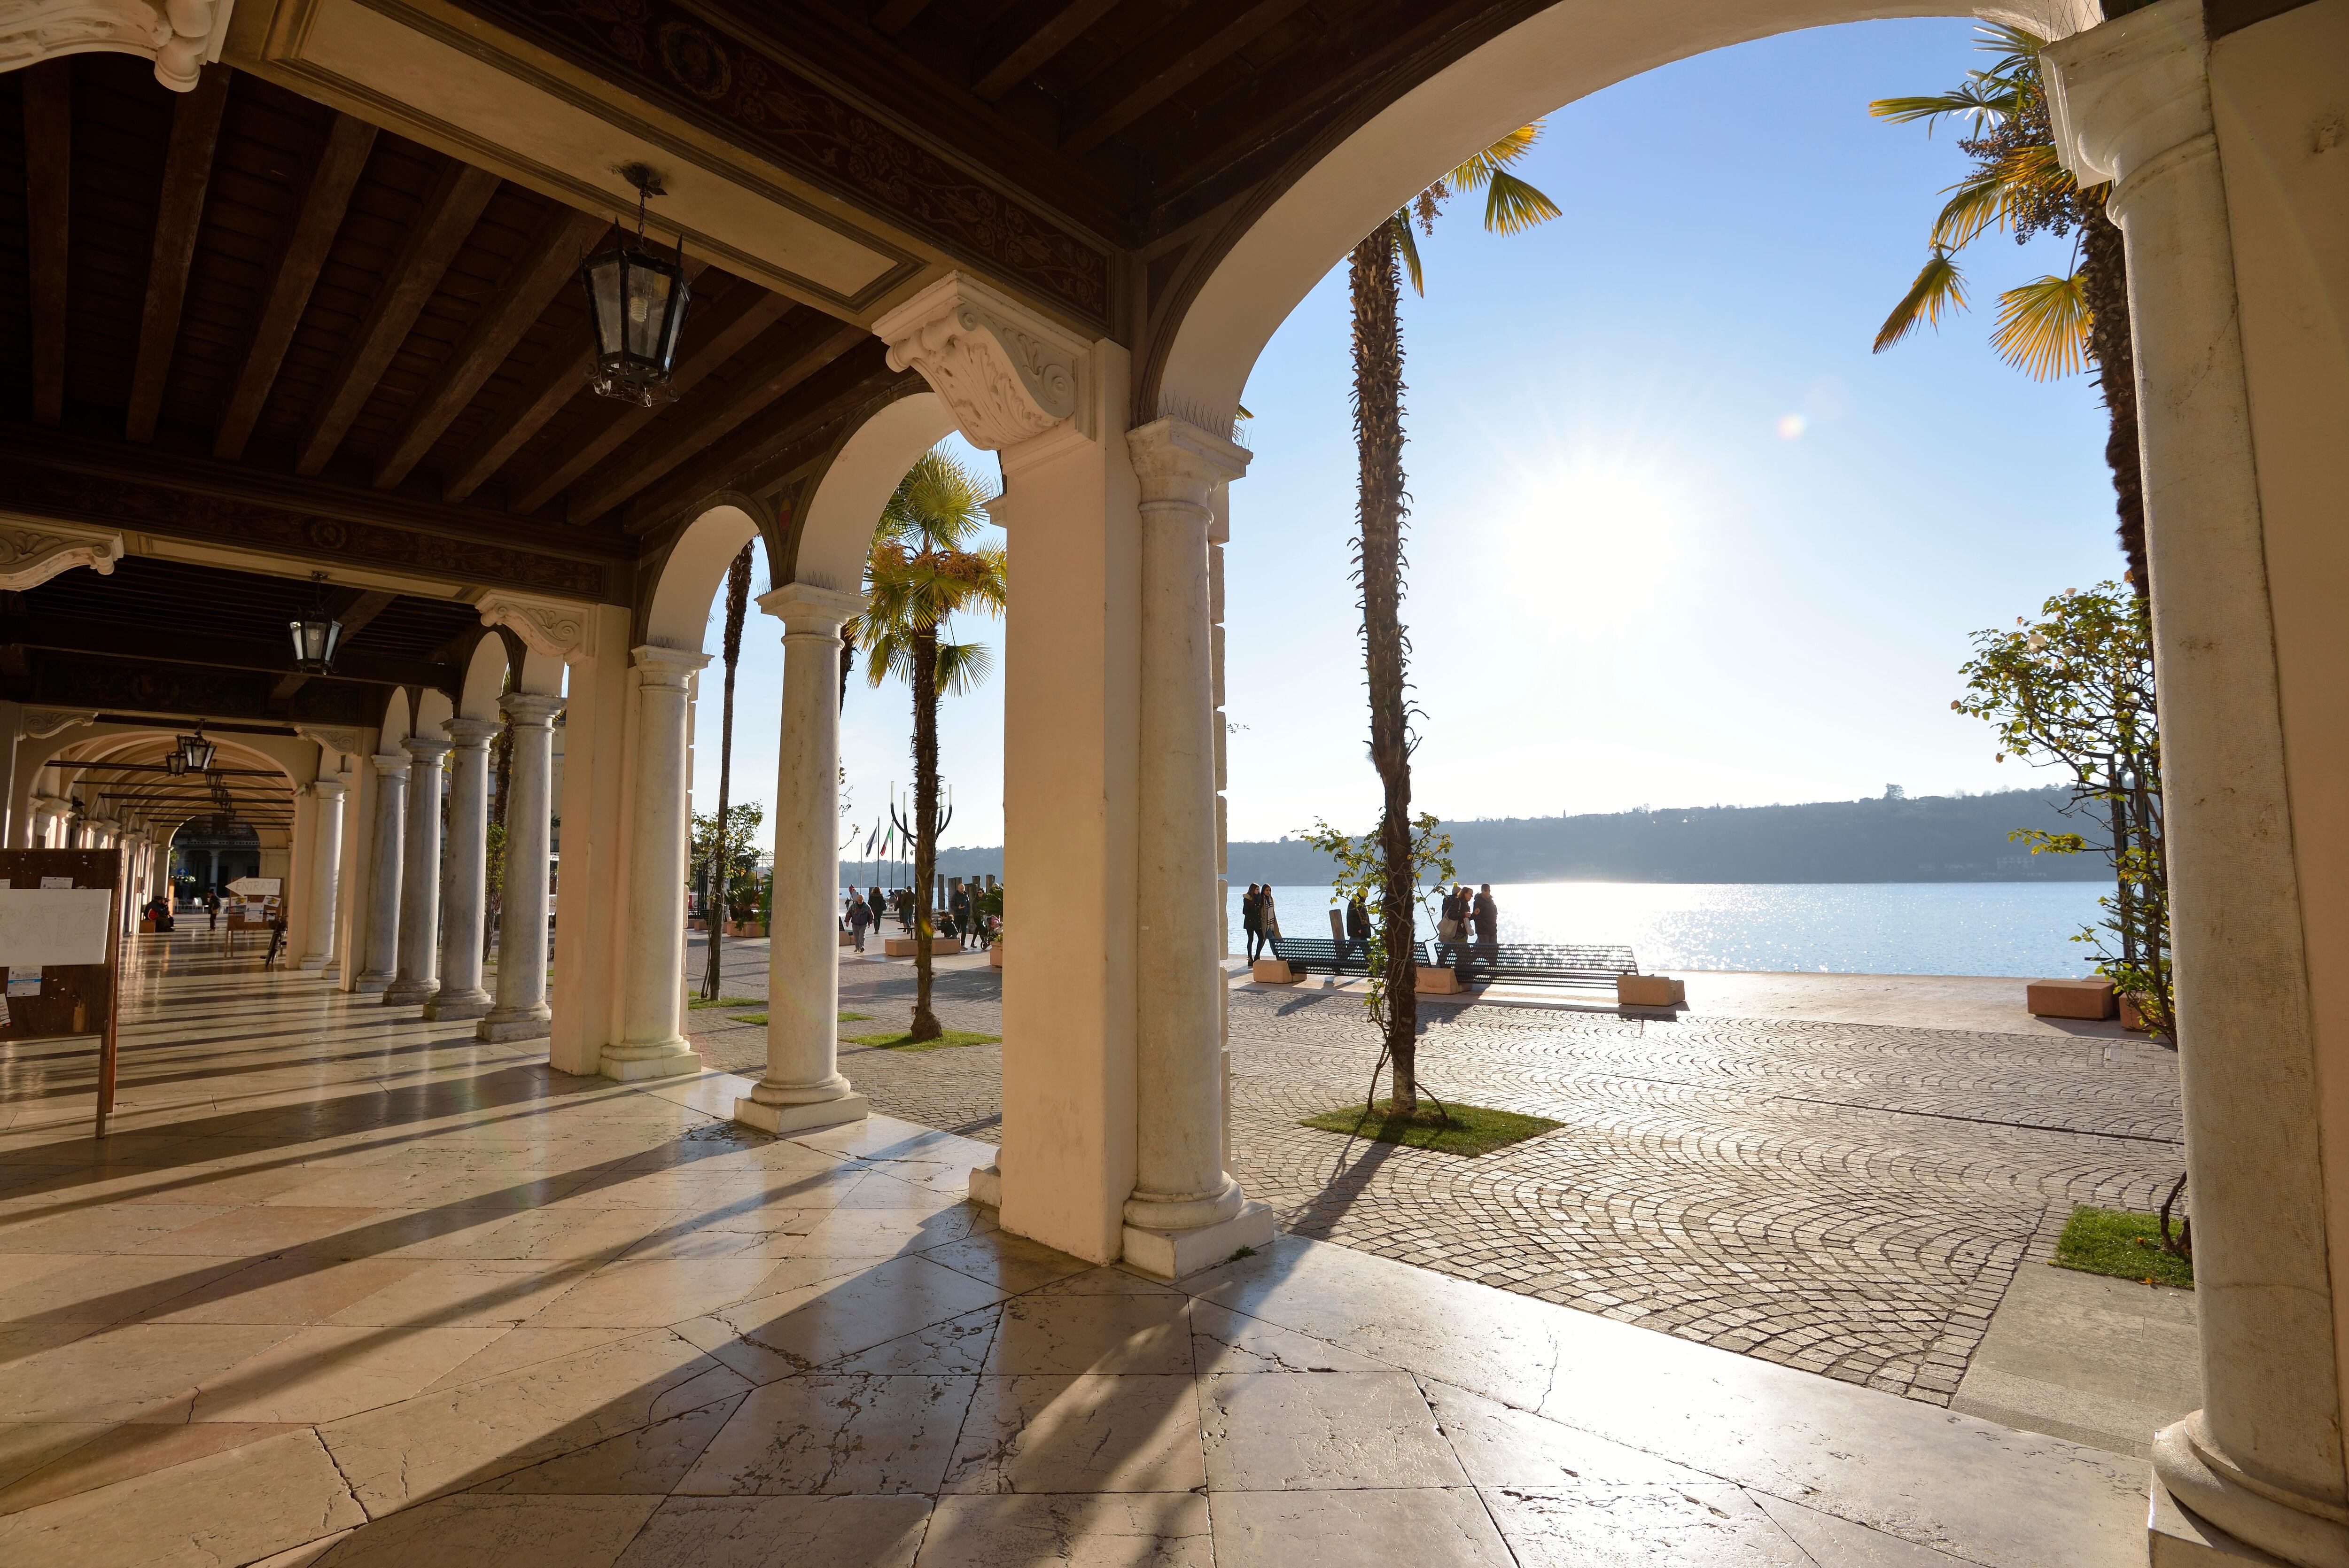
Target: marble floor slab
(346, 1287)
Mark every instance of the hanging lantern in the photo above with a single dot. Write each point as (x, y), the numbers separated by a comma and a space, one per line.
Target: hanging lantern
(196, 752)
(316, 634)
(174, 762)
(636, 301)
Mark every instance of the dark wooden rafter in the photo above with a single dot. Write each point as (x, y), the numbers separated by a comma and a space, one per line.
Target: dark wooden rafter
(800, 349)
(448, 217)
(895, 17)
(554, 383)
(1027, 38)
(354, 607)
(179, 645)
(187, 176)
(48, 209)
(1193, 43)
(531, 286)
(332, 179)
(728, 325)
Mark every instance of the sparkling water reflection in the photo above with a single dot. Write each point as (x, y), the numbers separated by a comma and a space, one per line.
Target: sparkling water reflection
(1844, 928)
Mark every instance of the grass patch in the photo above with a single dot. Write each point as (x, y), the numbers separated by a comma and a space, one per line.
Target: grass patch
(1470, 1130)
(854, 1017)
(748, 1017)
(761, 1017)
(725, 1000)
(2124, 1246)
(900, 1040)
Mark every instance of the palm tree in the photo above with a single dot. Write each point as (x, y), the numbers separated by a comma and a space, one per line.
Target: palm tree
(2052, 325)
(1375, 274)
(738, 602)
(923, 571)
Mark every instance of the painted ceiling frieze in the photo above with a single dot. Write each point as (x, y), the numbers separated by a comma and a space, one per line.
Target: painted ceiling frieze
(751, 100)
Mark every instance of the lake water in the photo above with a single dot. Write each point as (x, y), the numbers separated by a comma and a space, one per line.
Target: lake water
(1840, 928)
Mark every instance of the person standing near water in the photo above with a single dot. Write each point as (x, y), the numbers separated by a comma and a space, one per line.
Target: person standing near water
(1267, 921)
(1252, 920)
(1486, 916)
(1357, 928)
(860, 915)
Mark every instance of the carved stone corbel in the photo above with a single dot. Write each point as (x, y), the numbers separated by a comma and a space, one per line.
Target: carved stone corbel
(40, 723)
(1006, 374)
(346, 742)
(32, 552)
(179, 36)
(555, 627)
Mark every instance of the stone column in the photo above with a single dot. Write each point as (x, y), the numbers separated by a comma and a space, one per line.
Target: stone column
(2262, 1459)
(464, 884)
(1186, 1211)
(420, 882)
(380, 960)
(652, 982)
(802, 1087)
(521, 1013)
(326, 874)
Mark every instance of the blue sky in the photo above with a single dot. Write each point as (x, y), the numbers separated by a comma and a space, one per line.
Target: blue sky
(1677, 536)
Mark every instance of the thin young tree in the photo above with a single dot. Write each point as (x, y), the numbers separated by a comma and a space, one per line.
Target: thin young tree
(2050, 326)
(1374, 272)
(738, 602)
(924, 568)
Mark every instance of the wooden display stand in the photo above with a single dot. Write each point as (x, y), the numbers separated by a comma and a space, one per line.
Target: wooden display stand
(46, 931)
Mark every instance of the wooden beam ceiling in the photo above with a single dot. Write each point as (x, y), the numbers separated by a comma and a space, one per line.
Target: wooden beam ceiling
(530, 287)
(1194, 42)
(332, 179)
(354, 607)
(450, 212)
(187, 175)
(48, 210)
(180, 645)
(1026, 37)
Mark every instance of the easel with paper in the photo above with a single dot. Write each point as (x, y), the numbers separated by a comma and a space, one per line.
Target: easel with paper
(61, 949)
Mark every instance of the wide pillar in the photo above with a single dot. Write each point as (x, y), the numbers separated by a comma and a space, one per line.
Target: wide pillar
(2262, 1460)
(802, 1087)
(464, 886)
(1185, 1212)
(326, 874)
(521, 1013)
(417, 974)
(652, 998)
(379, 960)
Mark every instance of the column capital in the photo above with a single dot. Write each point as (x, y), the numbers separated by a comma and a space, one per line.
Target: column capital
(1007, 374)
(426, 750)
(328, 789)
(470, 734)
(660, 667)
(390, 764)
(805, 608)
(559, 628)
(529, 709)
(2126, 93)
(1177, 462)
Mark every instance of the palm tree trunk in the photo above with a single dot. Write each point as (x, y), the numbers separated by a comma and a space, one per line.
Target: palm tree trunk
(738, 602)
(926, 1025)
(2103, 278)
(1377, 287)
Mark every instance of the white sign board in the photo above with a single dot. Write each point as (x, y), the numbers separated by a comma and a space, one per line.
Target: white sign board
(40, 926)
(257, 887)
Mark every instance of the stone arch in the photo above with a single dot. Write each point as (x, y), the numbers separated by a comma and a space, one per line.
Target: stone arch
(686, 579)
(399, 722)
(485, 676)
(433, 711)
(1271, 250)
(831, 532)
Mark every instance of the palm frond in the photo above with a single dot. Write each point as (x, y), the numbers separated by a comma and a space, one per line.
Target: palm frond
(1939, 287)
(1512, 206)
(1482, 166)
(2016, 50)
(2043, 327)
(1409, 247)
(1977, 201)
(1977, 100)
(963, 667)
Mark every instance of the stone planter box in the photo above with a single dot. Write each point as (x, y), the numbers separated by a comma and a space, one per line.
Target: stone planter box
(1649, 991)
(1273, 972)
(995, 956)
(906, 947)
(746, 928)
(2070, 999)
(848, 939)
(1438, 983)
(2133, 1019)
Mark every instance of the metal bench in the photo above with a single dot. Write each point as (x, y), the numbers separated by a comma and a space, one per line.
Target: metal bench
(1539, 964)
(1306, 954)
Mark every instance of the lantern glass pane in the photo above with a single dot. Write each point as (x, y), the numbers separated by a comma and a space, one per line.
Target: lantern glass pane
(605, 275)
(674, 324)
(648, 291)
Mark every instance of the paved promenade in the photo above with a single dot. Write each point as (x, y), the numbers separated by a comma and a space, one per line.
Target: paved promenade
(1844, 1198)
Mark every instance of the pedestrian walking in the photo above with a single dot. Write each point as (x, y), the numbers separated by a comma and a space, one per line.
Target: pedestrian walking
(211, 912)
(1357, 928)
(1252, 919)
(875, 905)
(859, 918)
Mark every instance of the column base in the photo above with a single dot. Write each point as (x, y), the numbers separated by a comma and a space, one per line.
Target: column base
(447, 1004)
(408, 993)
(781, 1118)
(1171, 1254)
(2188, 1466)
(313, 961)
(2175, 1537)
(986, 1185)
(369, 983)
(522, 1024)
(635, 1064)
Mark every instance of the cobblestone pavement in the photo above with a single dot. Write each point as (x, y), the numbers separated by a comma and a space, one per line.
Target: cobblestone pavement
(1848, 1199)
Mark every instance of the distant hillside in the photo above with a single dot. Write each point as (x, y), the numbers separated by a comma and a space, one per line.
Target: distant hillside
(1933, 838)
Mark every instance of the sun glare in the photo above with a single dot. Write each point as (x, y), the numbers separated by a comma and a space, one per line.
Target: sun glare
(1604, 515)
